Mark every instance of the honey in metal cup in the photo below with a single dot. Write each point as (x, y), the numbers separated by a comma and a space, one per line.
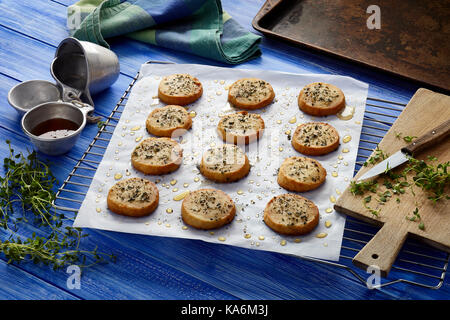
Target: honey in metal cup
(47, 113)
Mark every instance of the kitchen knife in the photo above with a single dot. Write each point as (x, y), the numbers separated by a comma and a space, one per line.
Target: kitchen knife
(430, 138)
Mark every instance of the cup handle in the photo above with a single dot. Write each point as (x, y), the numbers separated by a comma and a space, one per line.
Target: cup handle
(86, 109)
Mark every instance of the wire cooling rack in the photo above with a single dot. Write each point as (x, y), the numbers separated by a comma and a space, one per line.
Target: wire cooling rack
(417, 264)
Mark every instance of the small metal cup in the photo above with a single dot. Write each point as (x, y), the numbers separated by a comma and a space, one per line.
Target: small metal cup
(83, 68)
(29, 94)
(73, 111)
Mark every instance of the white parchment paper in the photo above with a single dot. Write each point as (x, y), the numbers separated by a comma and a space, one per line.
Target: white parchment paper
(250, 194)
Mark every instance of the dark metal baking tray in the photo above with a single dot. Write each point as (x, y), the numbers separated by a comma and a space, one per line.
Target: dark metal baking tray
(413, 41)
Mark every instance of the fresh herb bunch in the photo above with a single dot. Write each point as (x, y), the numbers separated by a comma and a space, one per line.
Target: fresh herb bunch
(28, 182)
(28, 185)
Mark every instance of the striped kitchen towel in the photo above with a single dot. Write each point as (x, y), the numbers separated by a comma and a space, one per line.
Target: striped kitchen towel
(195, 26)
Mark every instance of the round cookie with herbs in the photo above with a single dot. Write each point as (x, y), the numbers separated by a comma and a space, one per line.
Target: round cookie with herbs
(241, 127)
(167, 121)
(207, 209)
(134, 197)
(315, 138)
(157, 156)
(179, 89)
(225, 163)
(301, 174)
(321, 99)
(291, 214)
(250, 93)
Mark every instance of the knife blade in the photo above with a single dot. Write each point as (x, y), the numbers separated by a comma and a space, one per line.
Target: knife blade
(393, 161)
(430, 138)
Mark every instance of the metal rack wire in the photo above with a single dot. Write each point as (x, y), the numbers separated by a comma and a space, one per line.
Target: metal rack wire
(417, 263)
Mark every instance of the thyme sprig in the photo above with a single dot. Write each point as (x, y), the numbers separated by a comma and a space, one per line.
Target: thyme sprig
(26, 190)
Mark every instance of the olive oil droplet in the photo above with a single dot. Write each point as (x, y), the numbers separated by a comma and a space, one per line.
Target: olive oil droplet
(346, 139)
(346, 113)
(118, 176)
(181, 196)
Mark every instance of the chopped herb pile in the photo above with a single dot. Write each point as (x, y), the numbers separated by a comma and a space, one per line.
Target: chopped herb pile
(431, 178)
(407, 139)
(26, 190)
(378, 155)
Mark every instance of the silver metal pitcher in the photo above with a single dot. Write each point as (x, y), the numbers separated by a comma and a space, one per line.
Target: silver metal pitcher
(83, 68)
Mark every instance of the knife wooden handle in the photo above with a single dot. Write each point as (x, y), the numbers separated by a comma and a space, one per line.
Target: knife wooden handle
(428, 139)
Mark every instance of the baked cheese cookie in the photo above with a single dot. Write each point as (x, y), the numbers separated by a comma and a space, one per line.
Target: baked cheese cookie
(250, 93)
(179, 89)
(315, 138)
(207, 209)
(241, 127)
(164, 121)
(157, 156)
(134, 197)
(291, 214)
(301, 174)
(225, 163)
(321, 99)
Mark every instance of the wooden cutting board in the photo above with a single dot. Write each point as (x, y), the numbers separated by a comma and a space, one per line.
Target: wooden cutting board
(425, 111)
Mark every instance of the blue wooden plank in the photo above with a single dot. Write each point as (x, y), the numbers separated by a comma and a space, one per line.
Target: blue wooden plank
(277, 56)
(17, 284)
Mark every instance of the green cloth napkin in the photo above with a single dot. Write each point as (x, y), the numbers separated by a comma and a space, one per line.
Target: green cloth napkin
(195, 26)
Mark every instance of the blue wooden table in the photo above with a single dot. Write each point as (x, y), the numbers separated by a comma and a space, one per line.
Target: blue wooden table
(164, 268)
